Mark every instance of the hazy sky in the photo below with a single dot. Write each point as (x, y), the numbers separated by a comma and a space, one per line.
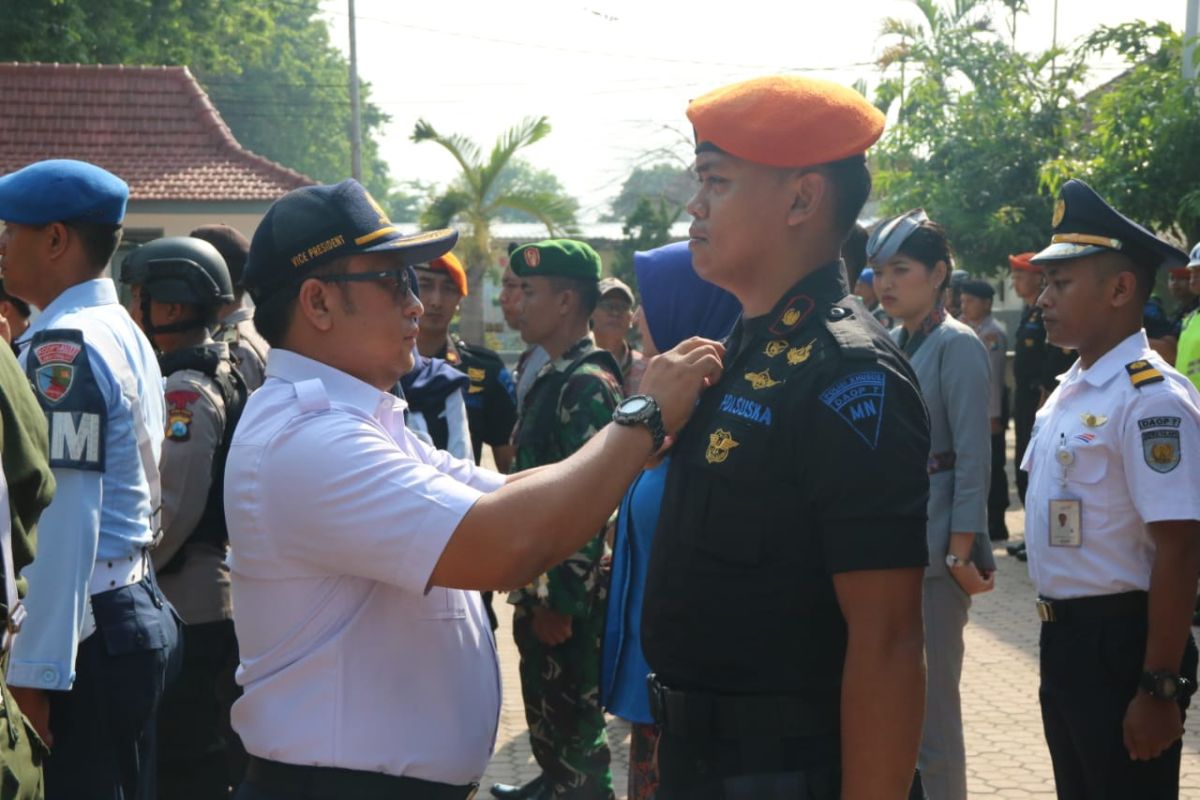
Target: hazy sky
(614, 76)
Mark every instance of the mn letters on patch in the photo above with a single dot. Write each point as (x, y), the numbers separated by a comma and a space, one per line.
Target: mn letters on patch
(858, 400)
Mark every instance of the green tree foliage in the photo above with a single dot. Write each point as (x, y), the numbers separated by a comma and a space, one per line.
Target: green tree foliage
(268, 66)
(479, 195)
(1142, 146)
(976, 122)
(522, 177)
(671, 182)
(647, 227)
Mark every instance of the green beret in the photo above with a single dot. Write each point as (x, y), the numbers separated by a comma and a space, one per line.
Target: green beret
(565, 258)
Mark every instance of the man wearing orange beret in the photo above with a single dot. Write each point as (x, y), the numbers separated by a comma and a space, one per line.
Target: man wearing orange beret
(491, 404)
(783, 603)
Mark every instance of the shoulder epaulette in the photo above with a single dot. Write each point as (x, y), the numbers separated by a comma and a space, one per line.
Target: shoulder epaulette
(853, 340)
(1142, 372)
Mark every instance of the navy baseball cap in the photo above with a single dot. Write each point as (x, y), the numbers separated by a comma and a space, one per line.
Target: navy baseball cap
(977, 288)
(62, 190)
(315, 225)
(1085, 225)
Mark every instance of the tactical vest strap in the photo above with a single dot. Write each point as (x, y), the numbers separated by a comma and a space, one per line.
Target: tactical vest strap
(546, 423)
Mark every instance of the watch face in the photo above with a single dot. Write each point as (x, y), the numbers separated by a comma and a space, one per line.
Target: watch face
(633, 405)
(1167, 687)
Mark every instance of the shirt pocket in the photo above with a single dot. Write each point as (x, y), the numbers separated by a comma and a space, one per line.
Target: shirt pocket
(442, 603)
(1084, 480)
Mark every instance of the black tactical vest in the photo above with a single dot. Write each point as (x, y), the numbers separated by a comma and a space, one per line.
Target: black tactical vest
(211, 527)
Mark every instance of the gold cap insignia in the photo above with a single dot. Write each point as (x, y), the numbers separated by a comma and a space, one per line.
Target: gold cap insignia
(1060, 211)
(720, 442)
(798, 355)
(775, 347)
(476, 374)
(1093, 420)
(761, 380)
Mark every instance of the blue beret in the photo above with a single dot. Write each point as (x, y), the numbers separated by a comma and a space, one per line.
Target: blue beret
(867, 275)
(62, 191)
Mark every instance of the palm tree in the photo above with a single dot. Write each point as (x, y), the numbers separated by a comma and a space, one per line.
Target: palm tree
(478, 195)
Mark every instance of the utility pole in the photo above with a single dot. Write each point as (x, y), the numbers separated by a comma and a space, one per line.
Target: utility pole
(355, 112)
(1053, 43)
(1189, 40)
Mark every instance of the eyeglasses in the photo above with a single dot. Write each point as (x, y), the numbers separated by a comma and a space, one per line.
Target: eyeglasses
(614, 307)
(394, 280)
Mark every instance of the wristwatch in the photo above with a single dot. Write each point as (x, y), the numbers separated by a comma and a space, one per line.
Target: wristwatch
(642, 409)
(1164, 685)
(953, 561)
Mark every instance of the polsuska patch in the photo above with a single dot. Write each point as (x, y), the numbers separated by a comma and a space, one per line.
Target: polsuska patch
(1160, 448)
(858, 400)
(60, 369)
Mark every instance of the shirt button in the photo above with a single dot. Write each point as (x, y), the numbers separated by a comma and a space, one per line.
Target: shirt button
(49, 676)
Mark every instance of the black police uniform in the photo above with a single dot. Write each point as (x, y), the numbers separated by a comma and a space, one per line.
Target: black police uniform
(1036, 367)
(491, 397)
(763, 506)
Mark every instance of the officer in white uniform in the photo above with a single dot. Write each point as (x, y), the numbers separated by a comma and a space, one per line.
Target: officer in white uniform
(368, 666)
(1112, 515)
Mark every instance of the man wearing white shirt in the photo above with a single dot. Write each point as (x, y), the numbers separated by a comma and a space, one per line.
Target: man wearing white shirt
(368, 665)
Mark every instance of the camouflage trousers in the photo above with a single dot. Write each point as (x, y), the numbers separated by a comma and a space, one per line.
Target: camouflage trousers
(561, 689)
(21, 753)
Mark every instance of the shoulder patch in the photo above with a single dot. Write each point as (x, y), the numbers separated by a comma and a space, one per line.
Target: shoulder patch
(858, 400)
(60, 369)
(1142, 372)
(1160, 448)
(179, 414)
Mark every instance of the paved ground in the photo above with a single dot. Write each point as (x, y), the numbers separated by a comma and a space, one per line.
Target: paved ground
(1006, 754)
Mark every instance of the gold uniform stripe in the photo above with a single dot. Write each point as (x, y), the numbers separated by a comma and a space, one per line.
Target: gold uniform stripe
(1139, 378)
(370, 237)
(1084, 238)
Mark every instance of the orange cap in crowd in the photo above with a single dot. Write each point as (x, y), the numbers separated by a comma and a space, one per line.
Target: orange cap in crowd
(450, 265)
(1021, 262)
(786, 121)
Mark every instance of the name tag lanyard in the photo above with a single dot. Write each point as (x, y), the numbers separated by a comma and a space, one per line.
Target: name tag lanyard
(1066, 510)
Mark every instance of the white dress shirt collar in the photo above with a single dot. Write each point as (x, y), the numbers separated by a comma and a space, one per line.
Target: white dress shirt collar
(340, 387)
(98, 292)
(1111, 363)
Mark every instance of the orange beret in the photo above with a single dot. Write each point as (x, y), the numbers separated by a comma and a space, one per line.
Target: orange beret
(1021, 262)
(1180, 272)
(450, 265)
(786, 121)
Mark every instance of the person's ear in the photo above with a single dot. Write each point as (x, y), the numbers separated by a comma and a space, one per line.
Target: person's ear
(1122, 289)
(940, 270)
(808, 191)
(315, 304)
(57, 240)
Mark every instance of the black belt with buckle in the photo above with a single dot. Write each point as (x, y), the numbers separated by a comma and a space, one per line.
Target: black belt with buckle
(731, 716)
(323, 782)
(1102, 606)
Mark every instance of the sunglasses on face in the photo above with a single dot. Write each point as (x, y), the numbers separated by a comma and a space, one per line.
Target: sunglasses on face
(395, 281)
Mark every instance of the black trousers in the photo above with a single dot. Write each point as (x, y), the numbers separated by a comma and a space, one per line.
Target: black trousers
(997, 502)
(1090, 672)
(1024, 413)
(199, 755)
(808, 768)
(105, 728)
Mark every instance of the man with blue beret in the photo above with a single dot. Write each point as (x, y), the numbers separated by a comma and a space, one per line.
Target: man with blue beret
(783, 596)
(1112, 516)
(559, 617)
(95, 651)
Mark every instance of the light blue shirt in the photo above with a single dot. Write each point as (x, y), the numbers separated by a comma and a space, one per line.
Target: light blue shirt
(95, 514)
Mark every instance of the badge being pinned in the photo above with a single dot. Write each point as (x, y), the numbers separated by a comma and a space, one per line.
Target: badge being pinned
(858, 400)
(720, 442)
(1160, 448)
(179, 415)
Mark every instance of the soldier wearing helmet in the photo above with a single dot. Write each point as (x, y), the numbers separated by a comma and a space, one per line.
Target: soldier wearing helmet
(179, 285)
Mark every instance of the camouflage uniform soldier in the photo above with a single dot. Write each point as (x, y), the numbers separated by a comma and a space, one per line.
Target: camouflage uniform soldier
(559, 618)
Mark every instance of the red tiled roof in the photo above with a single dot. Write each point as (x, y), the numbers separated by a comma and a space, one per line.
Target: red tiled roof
(153, 126)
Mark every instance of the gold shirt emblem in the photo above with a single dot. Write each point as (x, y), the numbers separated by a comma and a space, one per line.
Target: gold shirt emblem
(761, 380)
(720, 442)
(775, 347)
(798, 355)
(791, 316)
(1093, 420)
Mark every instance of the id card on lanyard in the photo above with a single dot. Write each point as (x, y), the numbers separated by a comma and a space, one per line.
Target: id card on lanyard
(1066, 510)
